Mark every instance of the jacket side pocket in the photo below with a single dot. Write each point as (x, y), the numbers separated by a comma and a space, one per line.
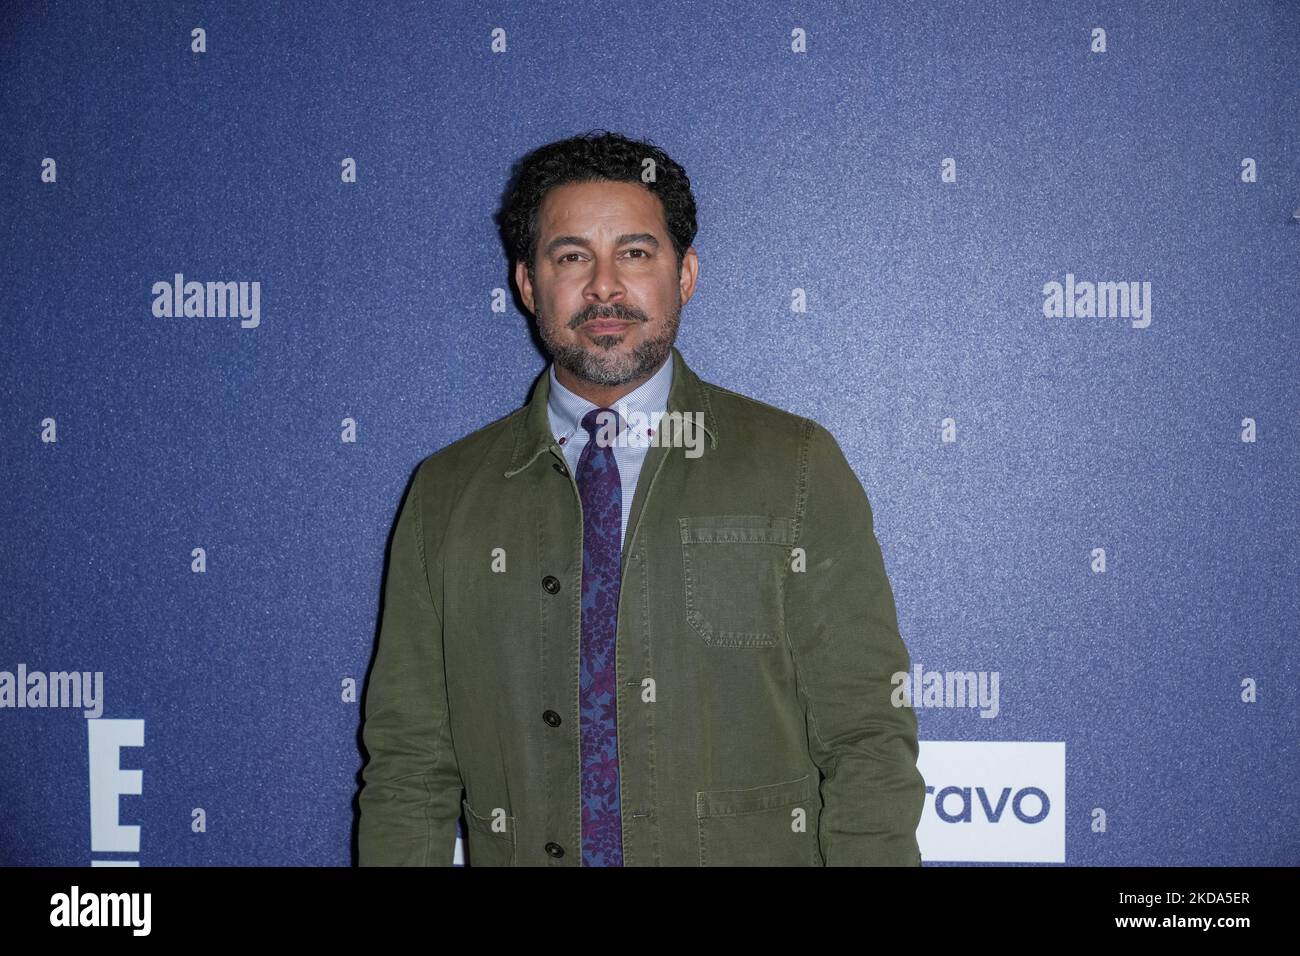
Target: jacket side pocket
(490, 840)
(772, 825)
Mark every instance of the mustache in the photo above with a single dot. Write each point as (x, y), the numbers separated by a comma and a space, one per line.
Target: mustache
(618, 312)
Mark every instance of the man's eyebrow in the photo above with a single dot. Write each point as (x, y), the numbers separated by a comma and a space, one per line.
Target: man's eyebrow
(626, 239)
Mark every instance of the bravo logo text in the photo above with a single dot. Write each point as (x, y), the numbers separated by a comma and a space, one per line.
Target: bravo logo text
(992, 801)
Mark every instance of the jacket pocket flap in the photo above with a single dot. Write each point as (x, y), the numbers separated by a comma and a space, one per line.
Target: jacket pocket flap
(718, 803)
(737, 529)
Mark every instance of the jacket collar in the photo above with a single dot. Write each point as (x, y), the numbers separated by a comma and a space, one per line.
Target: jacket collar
(533, 428)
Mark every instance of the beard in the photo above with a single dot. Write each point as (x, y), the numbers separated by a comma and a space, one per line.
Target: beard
(603, 364)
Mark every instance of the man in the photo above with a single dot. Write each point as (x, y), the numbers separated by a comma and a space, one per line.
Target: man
(643, 620)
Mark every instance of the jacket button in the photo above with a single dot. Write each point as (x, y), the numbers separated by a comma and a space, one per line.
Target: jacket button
(558, 467)
(551, 583)
(552, 718)
(555, 850)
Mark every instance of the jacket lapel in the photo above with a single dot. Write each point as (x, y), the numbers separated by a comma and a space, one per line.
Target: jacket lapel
(532, 433)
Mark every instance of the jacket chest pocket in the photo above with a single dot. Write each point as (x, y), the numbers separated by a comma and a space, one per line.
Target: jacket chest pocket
(734, 570)
(490, 840)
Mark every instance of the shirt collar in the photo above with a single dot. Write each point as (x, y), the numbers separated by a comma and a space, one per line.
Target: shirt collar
(565, 408)
(688, 395)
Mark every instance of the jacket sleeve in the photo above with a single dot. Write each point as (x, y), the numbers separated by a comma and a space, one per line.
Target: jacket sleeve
(842, 626)
(410, 800)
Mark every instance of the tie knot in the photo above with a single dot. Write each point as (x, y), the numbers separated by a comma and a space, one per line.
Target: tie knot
(601, 418)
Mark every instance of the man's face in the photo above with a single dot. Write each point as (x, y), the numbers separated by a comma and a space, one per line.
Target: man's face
(607, 294)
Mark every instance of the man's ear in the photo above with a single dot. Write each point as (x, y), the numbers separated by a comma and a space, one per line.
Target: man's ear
(690, 272)
(525, 285)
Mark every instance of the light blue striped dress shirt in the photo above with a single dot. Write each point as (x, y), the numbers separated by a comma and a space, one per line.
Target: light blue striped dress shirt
(565, 410)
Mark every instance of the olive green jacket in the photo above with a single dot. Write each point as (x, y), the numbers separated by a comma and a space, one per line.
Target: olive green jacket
(756, 639)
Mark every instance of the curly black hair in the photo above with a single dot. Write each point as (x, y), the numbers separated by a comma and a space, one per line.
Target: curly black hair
(594, 156)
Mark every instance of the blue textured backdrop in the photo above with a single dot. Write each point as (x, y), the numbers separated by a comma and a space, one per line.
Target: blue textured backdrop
(820, 171)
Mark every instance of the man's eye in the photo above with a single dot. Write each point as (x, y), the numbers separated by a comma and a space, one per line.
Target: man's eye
(565, 257)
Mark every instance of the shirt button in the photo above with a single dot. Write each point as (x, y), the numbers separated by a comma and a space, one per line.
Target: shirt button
(555, 850)
(551, 583)
(552, 718)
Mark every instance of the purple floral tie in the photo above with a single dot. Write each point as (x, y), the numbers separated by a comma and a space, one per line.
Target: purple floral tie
(601, 490)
